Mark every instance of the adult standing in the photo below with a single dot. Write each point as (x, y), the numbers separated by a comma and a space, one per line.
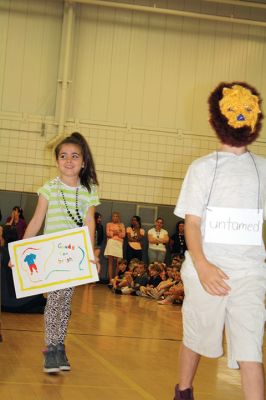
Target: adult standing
(115, 232)
(99, 236)
(1, 232)
(135, 235)
(9, 302)
(15, 223)
(178, 244)
(157, 238)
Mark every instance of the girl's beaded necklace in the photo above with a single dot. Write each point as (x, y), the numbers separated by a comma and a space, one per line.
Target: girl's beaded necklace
(78, 218)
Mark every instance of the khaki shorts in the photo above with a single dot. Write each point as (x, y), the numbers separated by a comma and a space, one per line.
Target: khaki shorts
(241, 314)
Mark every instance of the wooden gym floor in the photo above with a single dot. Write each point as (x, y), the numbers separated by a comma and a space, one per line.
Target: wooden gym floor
(120, 348)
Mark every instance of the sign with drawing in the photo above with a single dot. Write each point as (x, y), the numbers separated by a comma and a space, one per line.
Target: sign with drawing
(53, 261)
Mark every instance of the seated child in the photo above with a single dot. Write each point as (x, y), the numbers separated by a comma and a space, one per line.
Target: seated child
(142, 277)
(154, 279)
(139, 278)
(129, 279)
(163, 271)
(158, 291)
(133, 263)
(124, 286)
(175, 294)
(177, 261)
(121, 271)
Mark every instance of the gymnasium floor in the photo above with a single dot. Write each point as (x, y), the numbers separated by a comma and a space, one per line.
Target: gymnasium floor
(120, 348)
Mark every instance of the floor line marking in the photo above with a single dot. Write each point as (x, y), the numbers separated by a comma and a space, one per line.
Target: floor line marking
(53, 384)
(99, 335)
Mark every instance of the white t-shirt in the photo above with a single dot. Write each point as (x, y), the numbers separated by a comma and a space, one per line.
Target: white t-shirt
(236, 185)
(157, 235)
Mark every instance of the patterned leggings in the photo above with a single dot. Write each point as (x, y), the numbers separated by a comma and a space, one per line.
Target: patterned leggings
(56, 315)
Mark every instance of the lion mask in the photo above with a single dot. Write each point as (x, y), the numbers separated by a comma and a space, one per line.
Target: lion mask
(235, 113)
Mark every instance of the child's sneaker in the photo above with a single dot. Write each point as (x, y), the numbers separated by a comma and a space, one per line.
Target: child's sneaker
(164, 302)
(50, 360)
(62, 360)
(183, 394)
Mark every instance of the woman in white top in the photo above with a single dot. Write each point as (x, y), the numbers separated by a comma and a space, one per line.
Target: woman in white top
(157, 238)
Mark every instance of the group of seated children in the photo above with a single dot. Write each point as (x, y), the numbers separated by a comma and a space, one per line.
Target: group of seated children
(158, 281)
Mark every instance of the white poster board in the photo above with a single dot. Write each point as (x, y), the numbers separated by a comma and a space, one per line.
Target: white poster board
(234, 226)
(53, 261)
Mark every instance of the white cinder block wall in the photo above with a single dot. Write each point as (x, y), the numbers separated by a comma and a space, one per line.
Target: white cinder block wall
(138, 86)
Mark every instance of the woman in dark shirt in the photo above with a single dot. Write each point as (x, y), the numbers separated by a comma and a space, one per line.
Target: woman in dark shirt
(16, 223)
(9, 302)
(177, 241)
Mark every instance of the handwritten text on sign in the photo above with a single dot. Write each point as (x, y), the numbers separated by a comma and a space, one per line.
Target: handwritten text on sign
(234, 226)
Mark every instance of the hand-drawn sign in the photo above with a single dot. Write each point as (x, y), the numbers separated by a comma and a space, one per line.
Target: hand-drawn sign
(53, 261)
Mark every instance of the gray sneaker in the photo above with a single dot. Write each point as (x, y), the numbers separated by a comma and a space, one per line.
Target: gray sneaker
(50, 361)
(62, 360)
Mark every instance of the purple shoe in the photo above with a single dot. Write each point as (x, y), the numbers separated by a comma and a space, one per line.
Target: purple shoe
(183, 394)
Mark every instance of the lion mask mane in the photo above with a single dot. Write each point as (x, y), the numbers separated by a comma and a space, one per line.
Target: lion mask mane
(235, 113)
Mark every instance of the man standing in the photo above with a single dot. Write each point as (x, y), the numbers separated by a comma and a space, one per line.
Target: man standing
(224, 273)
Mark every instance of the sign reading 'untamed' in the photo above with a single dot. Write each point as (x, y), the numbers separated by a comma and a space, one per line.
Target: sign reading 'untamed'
(234, 226)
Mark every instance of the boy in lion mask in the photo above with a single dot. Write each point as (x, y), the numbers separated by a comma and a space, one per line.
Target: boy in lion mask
(224, 275)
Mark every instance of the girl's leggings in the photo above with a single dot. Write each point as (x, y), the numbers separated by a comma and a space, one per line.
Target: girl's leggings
(56, 315)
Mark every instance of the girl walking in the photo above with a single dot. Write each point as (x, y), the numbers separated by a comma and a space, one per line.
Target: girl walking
(65, 202)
